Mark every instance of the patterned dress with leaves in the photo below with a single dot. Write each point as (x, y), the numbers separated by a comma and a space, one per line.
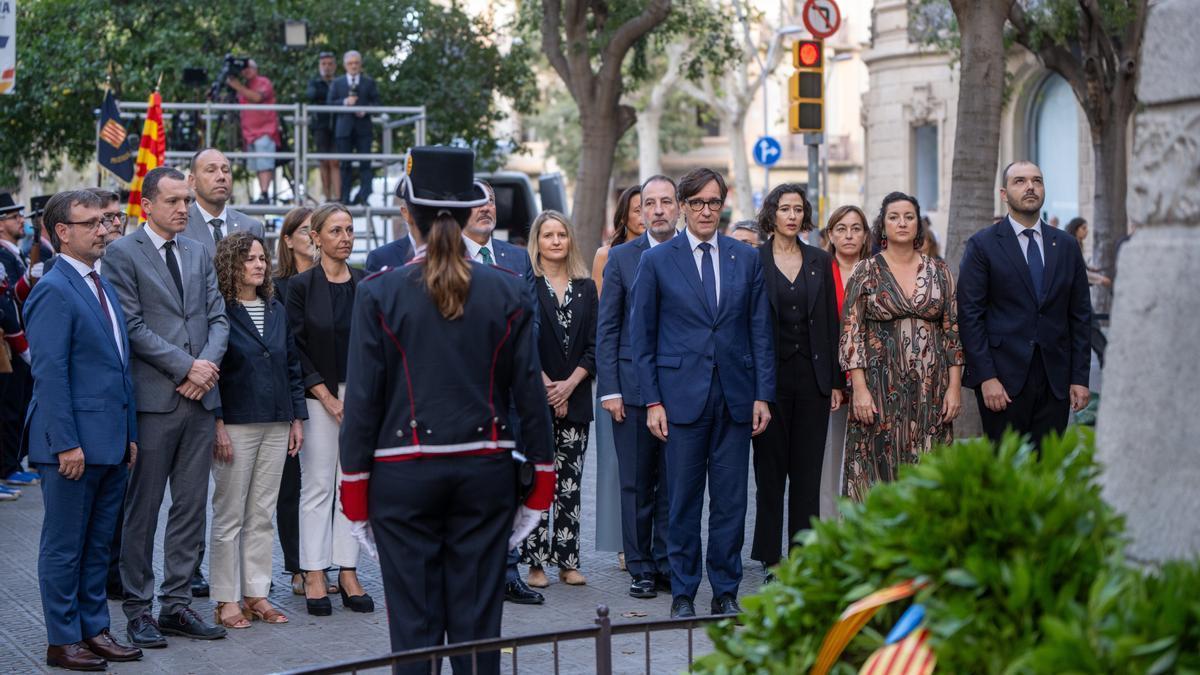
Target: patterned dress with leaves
(906, 346)
(557, 543)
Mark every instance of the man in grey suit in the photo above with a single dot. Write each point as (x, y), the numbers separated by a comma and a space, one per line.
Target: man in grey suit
(177, 333)
(208, 219)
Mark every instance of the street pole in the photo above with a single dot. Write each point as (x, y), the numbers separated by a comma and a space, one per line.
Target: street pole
(813, 141)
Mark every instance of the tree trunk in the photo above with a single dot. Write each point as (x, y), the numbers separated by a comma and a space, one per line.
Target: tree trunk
(735, 131)
(1110, 142)
(649, 150)
(977, 130)
(599, 145)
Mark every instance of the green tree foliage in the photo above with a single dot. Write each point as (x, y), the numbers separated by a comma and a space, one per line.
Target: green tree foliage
(1023, 560)
(419, 51)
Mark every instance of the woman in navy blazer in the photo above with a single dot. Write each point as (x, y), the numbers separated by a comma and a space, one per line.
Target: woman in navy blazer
(259, 423)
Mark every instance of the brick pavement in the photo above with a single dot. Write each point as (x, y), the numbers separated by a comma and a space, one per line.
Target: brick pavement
(312, 640)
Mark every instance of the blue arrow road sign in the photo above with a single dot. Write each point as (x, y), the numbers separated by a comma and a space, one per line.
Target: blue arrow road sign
(767, 151)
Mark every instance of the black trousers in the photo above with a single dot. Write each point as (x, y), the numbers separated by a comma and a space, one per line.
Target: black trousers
(642, 466)
(1035, 411)
(287, 514)
(442, 528)
(360, 144)
(16, 388)
(792, 448)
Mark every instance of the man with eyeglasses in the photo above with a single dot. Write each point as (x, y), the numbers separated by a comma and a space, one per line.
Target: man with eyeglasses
(702, 345)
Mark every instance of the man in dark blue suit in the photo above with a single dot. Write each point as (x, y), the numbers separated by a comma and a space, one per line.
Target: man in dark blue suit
(705, 360)
(1024, 315)
(82, 432)
(398, 252)
(352, 132)
(482, 247)
(640, 456)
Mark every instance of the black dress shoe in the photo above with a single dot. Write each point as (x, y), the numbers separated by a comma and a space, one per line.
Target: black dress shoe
(143, 632)
(106, 646)
(521, 594)
(643, 586)
(199, 585)
(187, 622)
(726, 604)
(74, 657)
(357, 603)
(682, 608)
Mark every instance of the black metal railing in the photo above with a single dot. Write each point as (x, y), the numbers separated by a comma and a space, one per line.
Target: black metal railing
(601, 633)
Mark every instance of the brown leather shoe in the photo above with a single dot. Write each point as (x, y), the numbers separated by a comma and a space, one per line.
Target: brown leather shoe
(106, 646)
(74, 657)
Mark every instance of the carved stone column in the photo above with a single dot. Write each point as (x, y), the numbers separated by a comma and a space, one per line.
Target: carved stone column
(1148, 432)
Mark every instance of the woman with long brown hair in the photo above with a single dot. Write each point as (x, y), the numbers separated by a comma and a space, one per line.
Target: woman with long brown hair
(295, 254)
(441, 348)
(627, 226)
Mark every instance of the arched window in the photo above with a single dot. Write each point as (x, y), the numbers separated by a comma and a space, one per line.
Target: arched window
(1054, 133)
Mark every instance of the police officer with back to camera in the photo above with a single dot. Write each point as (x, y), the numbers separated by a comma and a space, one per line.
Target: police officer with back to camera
(438, 350)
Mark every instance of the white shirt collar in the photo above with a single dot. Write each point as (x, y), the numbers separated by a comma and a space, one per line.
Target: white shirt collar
(1019, 228)
(208, 216)
(694, 241)
(79, 265)
(473, 248)
(654, 242)
(154, 238)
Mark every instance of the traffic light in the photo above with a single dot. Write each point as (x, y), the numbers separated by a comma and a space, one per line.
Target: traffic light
(806, 88)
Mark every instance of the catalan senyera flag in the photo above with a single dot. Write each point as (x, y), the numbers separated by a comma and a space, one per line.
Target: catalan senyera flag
(855, 617)
(152, 152)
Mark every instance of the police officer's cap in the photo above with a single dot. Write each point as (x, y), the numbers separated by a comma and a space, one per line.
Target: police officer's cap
(8, 204)
(37, 205)
(441, 177)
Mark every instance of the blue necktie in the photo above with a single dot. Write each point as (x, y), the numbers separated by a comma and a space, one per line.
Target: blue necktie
(708, 277)
(1033, 254)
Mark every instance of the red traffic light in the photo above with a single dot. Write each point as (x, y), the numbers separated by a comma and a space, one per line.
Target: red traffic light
(807, 54)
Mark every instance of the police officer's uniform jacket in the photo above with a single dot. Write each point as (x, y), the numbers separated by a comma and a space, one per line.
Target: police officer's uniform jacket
(411, 393)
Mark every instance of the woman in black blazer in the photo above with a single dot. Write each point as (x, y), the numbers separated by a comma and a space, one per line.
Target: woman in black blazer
(258, 425)
(801, 290)
(567, 302)
(320, 303)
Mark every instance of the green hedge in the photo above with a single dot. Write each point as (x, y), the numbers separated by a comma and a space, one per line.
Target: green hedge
(1024, 560)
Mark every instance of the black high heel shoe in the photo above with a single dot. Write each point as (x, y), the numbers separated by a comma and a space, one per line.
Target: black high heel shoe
(318, 606)
(355, 603)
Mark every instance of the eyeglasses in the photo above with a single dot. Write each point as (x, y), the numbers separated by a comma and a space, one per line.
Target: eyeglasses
(97, 224)
(697, 205)
(111, 219)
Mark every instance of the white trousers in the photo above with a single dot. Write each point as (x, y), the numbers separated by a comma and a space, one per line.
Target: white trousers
(244, 499)
(325, 537)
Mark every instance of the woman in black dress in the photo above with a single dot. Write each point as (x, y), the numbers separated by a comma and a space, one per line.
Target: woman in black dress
(801, 290)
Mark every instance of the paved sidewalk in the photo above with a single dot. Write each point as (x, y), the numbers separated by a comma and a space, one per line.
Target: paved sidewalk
(314, 640)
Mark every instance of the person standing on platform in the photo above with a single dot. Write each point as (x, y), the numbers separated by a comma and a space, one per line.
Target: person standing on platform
(641, 460)
(353, 132)
(441, 348)
(260, 128)
(177, 333)
(82, 433)
(1025, 316)
(706, 367)
(321, 124)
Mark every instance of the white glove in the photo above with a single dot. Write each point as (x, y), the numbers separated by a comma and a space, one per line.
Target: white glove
(523, 524)
(361, 529)
(36, 270)
(26, 357)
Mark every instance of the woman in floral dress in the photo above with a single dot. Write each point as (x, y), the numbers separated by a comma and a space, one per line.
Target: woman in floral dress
(567, 302)
(900, 343)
